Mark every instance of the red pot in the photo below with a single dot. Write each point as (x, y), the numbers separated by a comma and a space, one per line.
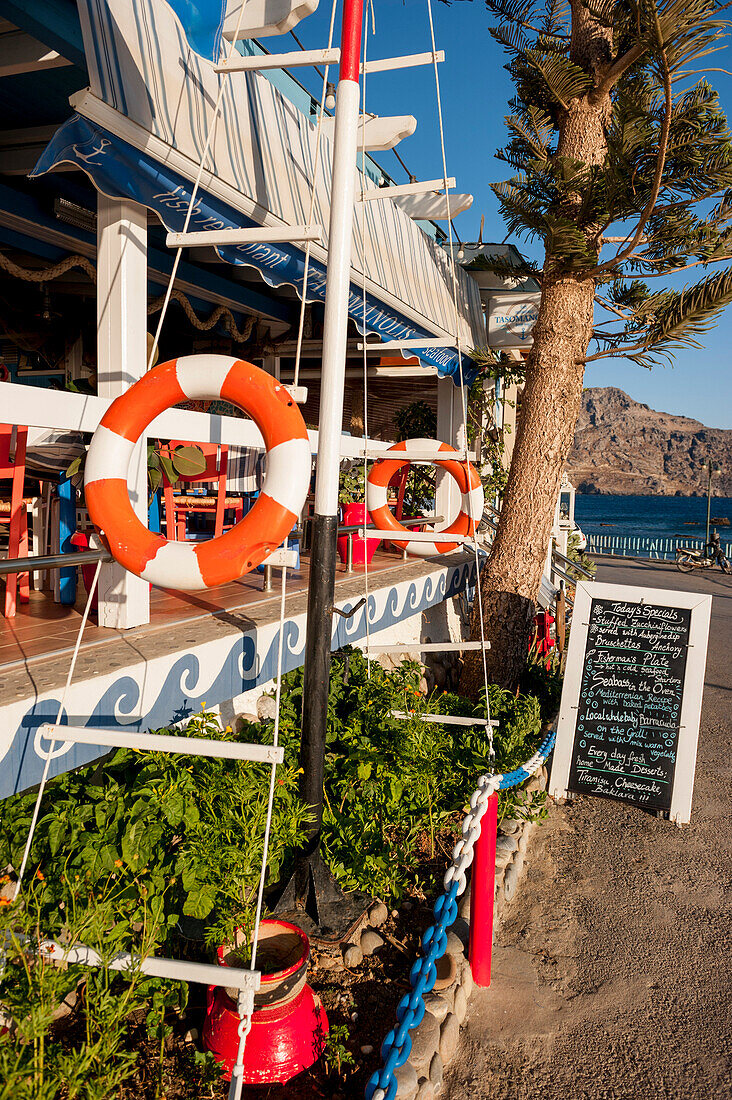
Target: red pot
(363, 549)
(289, 1023)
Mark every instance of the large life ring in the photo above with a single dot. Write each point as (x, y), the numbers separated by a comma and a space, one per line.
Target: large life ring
(185, 565)
(466, 475)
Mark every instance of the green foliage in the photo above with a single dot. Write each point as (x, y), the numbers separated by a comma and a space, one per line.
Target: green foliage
(94, 1060)
(184, 461)
(190, 829)
(391, 785)
(417, 421)
(662, 184)
(352, 483)
(336, 1054)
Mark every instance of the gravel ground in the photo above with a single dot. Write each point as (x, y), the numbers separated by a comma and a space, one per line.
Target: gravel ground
(612, 968)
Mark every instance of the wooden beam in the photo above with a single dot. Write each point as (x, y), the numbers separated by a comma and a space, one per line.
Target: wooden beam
(20, 53)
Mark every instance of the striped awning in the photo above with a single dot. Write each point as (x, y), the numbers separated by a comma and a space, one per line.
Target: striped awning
(140, 132)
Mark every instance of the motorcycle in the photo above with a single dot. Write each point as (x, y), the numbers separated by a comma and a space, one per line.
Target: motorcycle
(688, 560)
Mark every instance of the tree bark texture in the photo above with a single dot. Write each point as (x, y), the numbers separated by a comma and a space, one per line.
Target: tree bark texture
(550, 405)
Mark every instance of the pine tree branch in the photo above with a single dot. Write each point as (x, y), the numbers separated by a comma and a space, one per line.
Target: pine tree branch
(612, 309)
(617, 69)
(685, 267)
(660, 165)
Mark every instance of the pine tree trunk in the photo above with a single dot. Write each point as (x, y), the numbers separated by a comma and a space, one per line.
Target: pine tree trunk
(549, 407)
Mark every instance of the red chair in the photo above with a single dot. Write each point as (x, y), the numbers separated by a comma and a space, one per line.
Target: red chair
(178, 505)
(14, 511)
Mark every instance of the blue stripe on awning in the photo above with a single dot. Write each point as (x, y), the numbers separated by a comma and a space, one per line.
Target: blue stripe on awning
(119, 170)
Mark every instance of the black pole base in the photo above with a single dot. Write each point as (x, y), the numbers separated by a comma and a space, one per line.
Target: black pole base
(313, 900)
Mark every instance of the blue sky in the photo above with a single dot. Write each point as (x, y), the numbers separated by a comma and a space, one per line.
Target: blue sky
(475, 93)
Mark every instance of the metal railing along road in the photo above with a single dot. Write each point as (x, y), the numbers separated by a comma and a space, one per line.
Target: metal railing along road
(640, 546)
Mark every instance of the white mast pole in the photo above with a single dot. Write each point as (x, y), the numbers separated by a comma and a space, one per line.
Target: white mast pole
(325, 523)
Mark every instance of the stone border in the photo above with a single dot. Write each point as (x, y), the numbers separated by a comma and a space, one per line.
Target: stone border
(436, 1039)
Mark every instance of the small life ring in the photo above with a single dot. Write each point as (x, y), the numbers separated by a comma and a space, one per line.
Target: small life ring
(466, 475)
(185, 565)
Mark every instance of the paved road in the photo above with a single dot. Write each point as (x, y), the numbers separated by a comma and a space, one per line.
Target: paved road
(612, 968)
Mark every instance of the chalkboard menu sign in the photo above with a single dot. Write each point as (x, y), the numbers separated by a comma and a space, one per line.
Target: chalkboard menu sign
(632, 696)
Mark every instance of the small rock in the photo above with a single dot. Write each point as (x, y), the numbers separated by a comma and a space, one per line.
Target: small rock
(426, 1090)
(461, 928)
(460, 1006)
(436, 1071)
(367, 1049)
(446, 967)
(395, 913)
(249, 718)
(407, 906)
(536, 783)
(191, 1036)
(425, 1041)
(438, 1005)
(510, 826)
(513, 873)
(378, 914)
(506, 844)
(449, 1037)
(464, 903)
(328, 962)
(266, 708)
(466, 979)
(503, 858)
(525, 836)
(370, 941)
(352, 955)
(406, 1079)
(424, 686)
(454, 944)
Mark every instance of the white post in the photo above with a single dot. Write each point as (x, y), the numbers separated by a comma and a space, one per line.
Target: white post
(449, 430)
(271, 364)
(124, 600)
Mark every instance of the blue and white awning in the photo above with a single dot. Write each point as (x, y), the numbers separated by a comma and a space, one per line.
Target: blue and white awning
(140, 133)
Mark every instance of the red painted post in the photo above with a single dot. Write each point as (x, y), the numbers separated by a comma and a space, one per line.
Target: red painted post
(481, 896)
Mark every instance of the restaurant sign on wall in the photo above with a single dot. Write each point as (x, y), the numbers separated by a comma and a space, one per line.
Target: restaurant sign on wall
(511, 319)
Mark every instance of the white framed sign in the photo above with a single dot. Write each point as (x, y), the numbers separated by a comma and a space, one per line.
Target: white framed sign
(511, 319)
(631, 701)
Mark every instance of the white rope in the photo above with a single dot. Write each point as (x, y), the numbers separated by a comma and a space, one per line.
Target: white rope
(55, 740)
(194, 192)
(463, 395)
(318, 142)
(246, 1000)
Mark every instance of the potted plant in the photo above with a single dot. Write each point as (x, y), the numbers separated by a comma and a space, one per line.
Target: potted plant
(289, 1024)
(351, 497)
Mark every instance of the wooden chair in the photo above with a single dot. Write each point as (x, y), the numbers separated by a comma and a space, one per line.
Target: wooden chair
(14, 511)
(179, 504)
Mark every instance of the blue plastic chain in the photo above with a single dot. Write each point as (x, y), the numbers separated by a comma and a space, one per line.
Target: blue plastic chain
(397, 1045)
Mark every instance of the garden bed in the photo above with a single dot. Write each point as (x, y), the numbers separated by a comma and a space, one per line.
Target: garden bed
(132, 850)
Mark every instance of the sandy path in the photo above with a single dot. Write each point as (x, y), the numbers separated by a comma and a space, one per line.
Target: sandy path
(612, 969)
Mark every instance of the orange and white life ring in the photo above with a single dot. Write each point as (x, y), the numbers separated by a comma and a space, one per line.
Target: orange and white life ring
(466, 475)
(186, 565)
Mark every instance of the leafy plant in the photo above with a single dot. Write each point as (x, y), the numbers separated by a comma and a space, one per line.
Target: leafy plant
(417, 421)
(185, 461)
(192, 831)
(336, 1054)
(39, 1058)
(352, 484)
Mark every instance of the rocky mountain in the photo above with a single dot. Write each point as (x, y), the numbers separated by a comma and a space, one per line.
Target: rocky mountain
(622, 446)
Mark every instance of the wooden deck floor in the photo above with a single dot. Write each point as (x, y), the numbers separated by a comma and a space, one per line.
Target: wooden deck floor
(43, 629)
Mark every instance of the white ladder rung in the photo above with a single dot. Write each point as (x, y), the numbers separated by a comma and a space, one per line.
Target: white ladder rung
(426, 647)
(299, 394)
(293, 60)
(444, 719)
(414, 536)
(409, 61)
(407, 345)
(213, 238)
(280, 558)
(160, 742)
(419, 455)
(178, 969)
(407, 189)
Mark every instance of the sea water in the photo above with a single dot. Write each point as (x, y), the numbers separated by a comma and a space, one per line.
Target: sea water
(651, 516)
